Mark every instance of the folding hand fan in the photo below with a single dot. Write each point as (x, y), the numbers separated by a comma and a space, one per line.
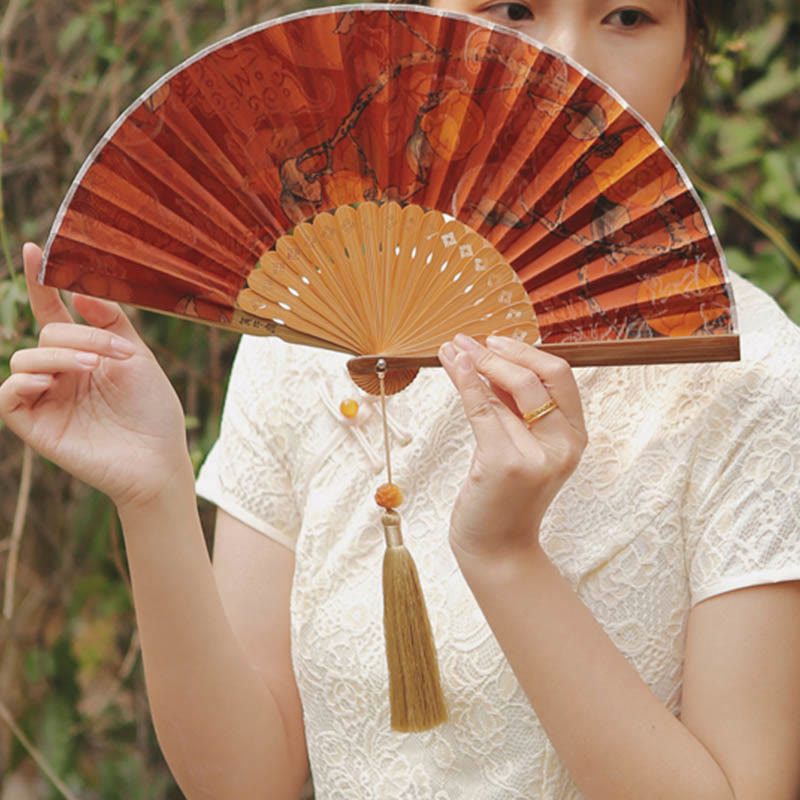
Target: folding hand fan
(374, 179)
(190, 195)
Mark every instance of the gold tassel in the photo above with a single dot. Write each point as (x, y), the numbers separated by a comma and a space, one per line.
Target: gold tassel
(415, 691)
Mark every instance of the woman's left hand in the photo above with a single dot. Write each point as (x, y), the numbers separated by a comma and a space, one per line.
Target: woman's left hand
(517, 468)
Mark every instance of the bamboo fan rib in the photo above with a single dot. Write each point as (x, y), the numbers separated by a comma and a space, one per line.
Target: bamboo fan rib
(289, 180)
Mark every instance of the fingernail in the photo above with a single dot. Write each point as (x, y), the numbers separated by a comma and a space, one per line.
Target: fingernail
(121, 347)
(498, 342)
(87, 359)
(448, 352)
(464, 362)
(42, 379)
(467, 342)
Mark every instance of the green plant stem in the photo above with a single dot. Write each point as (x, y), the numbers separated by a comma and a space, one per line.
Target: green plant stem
(766, 228)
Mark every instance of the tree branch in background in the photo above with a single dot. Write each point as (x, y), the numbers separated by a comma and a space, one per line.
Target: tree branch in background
(5, 715)
(16, 530)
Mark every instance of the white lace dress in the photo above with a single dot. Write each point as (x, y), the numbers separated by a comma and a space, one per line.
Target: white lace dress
(689, 487)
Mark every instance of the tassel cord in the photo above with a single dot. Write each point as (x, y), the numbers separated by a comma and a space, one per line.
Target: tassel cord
(380, 368)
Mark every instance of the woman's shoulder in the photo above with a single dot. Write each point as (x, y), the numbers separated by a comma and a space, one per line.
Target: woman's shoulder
(769, 344)
(769, 339)
(768, 373)
(765, 381)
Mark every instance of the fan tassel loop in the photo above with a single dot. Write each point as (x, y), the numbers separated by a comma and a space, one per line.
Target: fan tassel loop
(415, 690)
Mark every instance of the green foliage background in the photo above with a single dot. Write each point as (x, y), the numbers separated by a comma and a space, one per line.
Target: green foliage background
(71, 687)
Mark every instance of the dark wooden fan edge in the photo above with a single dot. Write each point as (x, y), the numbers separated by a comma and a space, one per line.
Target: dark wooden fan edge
(678, 350)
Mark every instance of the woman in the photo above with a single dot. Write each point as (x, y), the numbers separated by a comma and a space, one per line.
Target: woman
(617, 619)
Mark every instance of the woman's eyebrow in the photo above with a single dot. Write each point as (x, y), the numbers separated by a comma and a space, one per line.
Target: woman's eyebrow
(671, 5)
(666, 5)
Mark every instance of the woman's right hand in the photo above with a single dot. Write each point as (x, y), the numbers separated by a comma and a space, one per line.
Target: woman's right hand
(93, 399)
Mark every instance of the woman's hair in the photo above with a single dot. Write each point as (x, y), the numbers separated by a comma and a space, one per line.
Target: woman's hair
(702, 20)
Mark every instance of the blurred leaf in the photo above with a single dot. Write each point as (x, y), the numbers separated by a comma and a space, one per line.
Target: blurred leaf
(790, 300)
(737, 159)
(778, 82)
(129, 12)
(738, 261)
(37, 664)
(123, 776)
(763, 41)
(12, 296)
(94, 644)
(791, 207)
(742, 133)
(7, 112)
(771, 272)
(55, 739)
(96, 586)
(779, 185)
(111, 52)
(72, 32)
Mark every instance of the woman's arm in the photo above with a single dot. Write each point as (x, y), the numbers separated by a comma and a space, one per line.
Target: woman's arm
(739, 737)
(741, 687)
(228, 722)
(740, 730)
(254, 575)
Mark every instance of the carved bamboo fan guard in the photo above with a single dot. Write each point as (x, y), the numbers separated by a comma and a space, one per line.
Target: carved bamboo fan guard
(187, 197)
(416, 279)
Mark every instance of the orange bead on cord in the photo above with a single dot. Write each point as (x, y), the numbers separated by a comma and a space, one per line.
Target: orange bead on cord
(349, 408)
(389, 495)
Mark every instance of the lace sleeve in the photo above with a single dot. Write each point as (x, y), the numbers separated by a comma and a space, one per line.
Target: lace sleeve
(248, 471)
(743, 498)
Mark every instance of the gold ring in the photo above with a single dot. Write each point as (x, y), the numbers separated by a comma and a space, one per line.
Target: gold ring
(531, 416)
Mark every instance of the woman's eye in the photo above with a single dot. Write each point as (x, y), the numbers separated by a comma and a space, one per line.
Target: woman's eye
(629, 18)
(511, 12)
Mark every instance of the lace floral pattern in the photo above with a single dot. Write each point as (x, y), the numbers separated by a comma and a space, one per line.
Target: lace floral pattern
(690, 486)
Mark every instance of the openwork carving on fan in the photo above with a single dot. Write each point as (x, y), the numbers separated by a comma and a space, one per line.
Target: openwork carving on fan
(386, 279)
(202, 179)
